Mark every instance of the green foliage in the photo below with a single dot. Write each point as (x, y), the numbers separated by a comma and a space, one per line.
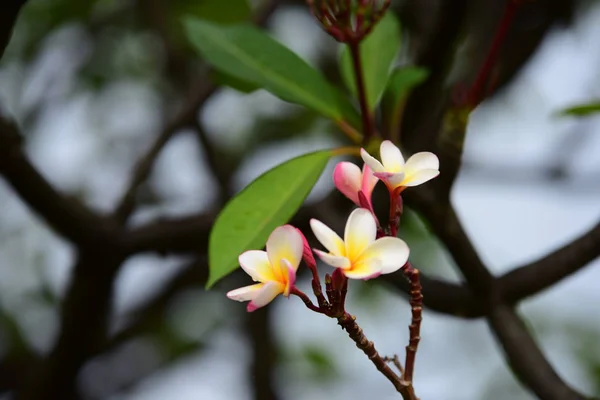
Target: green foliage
(377, 53)
(214, 10)
(249, 54)
(582, 110)
(269, 201)
(321, 363)
(403, 80)
(222, 78)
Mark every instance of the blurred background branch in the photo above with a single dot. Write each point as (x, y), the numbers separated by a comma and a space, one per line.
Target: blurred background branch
(449, 38)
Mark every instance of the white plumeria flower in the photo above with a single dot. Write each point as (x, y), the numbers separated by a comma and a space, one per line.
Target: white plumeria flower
(349, 180)
(275, 268)
(392, 170)
(359, 255)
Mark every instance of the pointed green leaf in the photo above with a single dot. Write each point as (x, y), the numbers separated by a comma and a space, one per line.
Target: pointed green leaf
(403, 80)
(249, 54)
(224, 79)
(377, 54)
(268, 202)
(582, 110)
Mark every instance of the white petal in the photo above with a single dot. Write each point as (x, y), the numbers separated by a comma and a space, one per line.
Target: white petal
(361, 230)
(328, 238)
(387, 254)
(256, 264)
(421, 177)
(347, 178)
(422, 160)
(265, 295)
(391, 157)
(285, 242)
(245, 293)
(334, 261)
(371, 161)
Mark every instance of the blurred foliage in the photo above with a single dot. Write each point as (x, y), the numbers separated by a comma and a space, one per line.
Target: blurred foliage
(582, 110)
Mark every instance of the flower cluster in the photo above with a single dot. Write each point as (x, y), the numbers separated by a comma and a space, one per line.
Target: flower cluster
(366, 250)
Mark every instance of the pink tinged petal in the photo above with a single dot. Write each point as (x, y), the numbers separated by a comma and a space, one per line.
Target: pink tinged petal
(328, 238)
(361, 230)
(347, 179)
(391, 179)
(256, 264)
(290, 277)
(387, 255)
(245, 293)
(421, 161)
(265, 295)
(369, 180)
(375, 275)
(307, 254)
(284, 243)
(334, 261)
(371, 161)
(421, 177)
(391, 157)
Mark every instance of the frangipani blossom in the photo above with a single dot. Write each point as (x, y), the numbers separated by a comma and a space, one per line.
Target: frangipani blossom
(350, 180)
(274, 269)
(392, 169)
(359, 255)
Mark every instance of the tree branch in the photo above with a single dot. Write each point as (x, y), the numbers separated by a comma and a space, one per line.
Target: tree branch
(544, 273)
(66, 216)
(200, 92)
(525, 357)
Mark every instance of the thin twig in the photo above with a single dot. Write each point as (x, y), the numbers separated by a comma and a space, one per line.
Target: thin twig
(396, 361)
(366, 114)
(416, 304)
(404, 387)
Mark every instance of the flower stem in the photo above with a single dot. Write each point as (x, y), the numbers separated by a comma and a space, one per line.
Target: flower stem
(404, 387)
(309, 304)
(416, 303)
(367, 116)
(475, 95)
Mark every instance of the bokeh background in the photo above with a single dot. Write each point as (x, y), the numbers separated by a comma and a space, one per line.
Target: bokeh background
(92, 84)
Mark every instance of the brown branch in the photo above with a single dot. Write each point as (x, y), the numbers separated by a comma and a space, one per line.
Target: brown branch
(66, 216)
(525, 357)
(535, 372)
(348, 323)
(200, 91)
(150, 314)
(513, 286)
(541, 274)
(416, 305)
(83, 327)
(8, 17)
(261, 372)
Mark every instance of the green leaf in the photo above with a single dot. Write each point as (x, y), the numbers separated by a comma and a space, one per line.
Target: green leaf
(224, 79)
(268, 202)
(582, 110)
(247, 53)
(377, 54)
(402, 81)
(213, 10)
